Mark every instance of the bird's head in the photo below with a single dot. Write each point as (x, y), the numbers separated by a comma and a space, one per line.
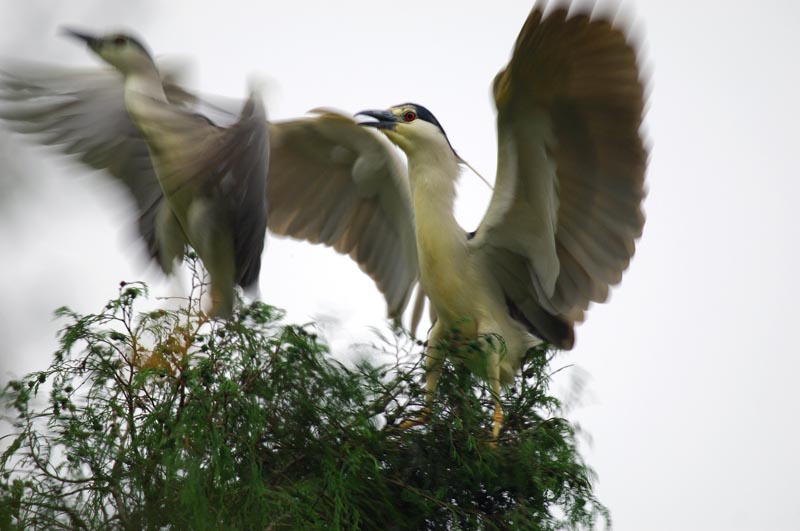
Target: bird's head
(122, 51)
(410, 126)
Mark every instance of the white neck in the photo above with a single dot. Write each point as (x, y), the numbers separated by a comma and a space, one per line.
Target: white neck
(143, 88)
(441, 242)
(145, 81)
(433, 176)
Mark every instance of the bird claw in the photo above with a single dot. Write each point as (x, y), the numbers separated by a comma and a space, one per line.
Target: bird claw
(418, 421)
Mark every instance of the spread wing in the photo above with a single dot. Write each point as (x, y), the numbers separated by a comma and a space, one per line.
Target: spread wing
(82, 112)
(566, 211)
(335, 182)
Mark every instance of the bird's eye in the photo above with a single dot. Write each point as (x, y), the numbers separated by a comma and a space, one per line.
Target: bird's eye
(409, 116)
(120, 40)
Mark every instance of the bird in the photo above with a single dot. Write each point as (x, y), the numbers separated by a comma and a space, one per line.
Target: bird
(566, 209)
(196, 184)
(326, 180)
(212, 179)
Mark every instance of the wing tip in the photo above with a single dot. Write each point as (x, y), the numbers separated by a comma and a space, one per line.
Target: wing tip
(568, 342)
(561, 334)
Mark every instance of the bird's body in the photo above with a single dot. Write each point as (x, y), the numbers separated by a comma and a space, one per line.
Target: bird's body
(566, 209)
(202, 196)
(467, 303)
(329, 181)
(198, 184)
(441, 245)
(192, 217)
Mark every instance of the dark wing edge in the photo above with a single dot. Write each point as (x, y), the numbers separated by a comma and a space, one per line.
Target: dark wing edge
(249, 145)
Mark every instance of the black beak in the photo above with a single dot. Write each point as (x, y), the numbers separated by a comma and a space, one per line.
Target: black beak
(385, 119)
(90, 40)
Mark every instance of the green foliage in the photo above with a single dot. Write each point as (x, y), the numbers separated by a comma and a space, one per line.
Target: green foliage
(167, 420)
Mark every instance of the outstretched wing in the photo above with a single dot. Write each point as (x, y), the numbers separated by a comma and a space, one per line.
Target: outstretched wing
(566, 210)
(335, 182)
(82, 112)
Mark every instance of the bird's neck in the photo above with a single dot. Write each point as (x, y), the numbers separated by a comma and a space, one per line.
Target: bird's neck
(441, 242)
(144, 94)
(433, 174)
(144, 82)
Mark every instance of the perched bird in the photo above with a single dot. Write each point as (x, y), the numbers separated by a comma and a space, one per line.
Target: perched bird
(566, 208)
(195, 183)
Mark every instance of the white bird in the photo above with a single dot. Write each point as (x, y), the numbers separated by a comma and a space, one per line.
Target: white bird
(566, 209)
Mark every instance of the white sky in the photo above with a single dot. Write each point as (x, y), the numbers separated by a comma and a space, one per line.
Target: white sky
(690, 401)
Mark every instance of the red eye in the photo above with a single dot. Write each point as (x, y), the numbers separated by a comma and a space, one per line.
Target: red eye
(410, 116)
(120, 40)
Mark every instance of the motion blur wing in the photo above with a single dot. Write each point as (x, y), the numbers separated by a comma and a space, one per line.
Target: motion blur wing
(82, 113)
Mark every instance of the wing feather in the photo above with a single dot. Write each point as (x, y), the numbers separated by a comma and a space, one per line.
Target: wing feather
(334, 182)
(83, 114)
(566, 212)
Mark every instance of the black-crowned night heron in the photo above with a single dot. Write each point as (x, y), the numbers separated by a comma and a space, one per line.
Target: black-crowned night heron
(195, 183)
(566, 209)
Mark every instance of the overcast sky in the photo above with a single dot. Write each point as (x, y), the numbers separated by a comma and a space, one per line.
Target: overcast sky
(691, 400)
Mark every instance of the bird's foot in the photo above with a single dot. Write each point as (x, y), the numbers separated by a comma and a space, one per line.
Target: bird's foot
(418, 421)
(497, 425)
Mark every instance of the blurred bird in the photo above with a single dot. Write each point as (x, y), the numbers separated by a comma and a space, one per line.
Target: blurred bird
(329, 181)
(566, 209)
(195, 183)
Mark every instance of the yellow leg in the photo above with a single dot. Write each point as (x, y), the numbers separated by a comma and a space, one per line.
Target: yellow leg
(422, 418)
(494, 378)
(221, 300)
(498, 421)
(433, 369)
